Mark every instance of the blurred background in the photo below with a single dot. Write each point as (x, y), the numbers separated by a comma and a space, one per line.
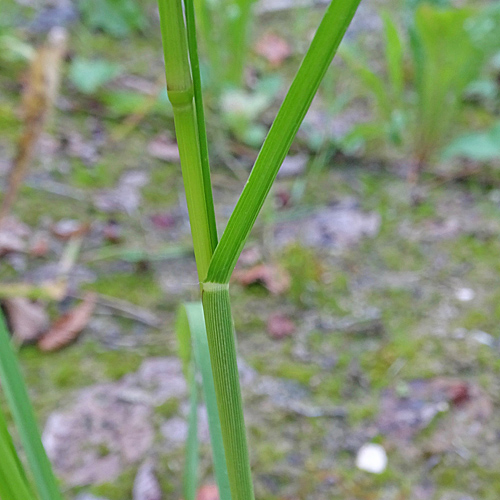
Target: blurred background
(366, 302)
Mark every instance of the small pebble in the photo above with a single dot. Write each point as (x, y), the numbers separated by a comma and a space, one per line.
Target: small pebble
(372, 458)
(465, 294)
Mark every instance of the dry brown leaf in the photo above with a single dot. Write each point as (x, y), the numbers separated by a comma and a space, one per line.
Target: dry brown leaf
(273, 48)
(164, 148)
(208, 492)
(279, 326)
(27, 319)
(66, 229)
(39, 245)
(274, 278)
(67, 328)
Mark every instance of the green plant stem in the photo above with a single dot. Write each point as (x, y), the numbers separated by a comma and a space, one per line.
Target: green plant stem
(221, 342)
(200, 115)
(181, 95)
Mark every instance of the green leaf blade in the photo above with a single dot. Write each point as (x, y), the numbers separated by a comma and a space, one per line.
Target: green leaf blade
(24, 417)
(193, 350)
(293, 110)
(13, 482)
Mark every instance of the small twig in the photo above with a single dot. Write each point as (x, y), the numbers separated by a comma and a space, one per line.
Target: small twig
(69, 257)
(267, 6)
(52, 290)
(462, 174)
(57, 188)
(127, 309)
(137, 254)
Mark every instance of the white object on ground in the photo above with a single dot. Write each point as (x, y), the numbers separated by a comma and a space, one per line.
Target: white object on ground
(372, 458)
(465, 294)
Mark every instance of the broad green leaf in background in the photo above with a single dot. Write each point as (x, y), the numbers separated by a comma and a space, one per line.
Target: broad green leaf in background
(479, 146)
(118, 18)
(446, 62)
(89, 75)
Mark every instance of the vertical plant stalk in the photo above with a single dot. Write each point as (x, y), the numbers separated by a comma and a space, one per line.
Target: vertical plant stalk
(181, 95)
(200, 115)
(215, 271)
(221, 342)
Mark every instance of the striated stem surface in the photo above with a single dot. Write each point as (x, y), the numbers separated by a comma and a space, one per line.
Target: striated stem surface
(221, 342)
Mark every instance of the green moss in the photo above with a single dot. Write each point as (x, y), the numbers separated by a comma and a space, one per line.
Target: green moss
(10, 125)
(402, 255)
(168, 409)
(474, 479)
(116, 364)
(424, 210)
(286, 369)
(331, 388)
(296, 371)
(269, 453)
(306, 273)
(139, 288)
(359, 412)
(97, 176)
(120, 489)
(66, 375)
(163, 187)
(103, 450)
(475, 319)
(32, 204)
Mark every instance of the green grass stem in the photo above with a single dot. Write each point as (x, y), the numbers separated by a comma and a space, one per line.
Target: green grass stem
(195, 173)
(216, 263)
(200, 115)
(222, 345)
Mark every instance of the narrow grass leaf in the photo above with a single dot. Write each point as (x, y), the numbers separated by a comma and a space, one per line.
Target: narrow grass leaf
(373, 83)
(202, 358)
(394, 56)
(190, 480)
(13, 482)
(192, 444)
(24, 418)
(200, 116)
(293, 110)
(191, 334)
